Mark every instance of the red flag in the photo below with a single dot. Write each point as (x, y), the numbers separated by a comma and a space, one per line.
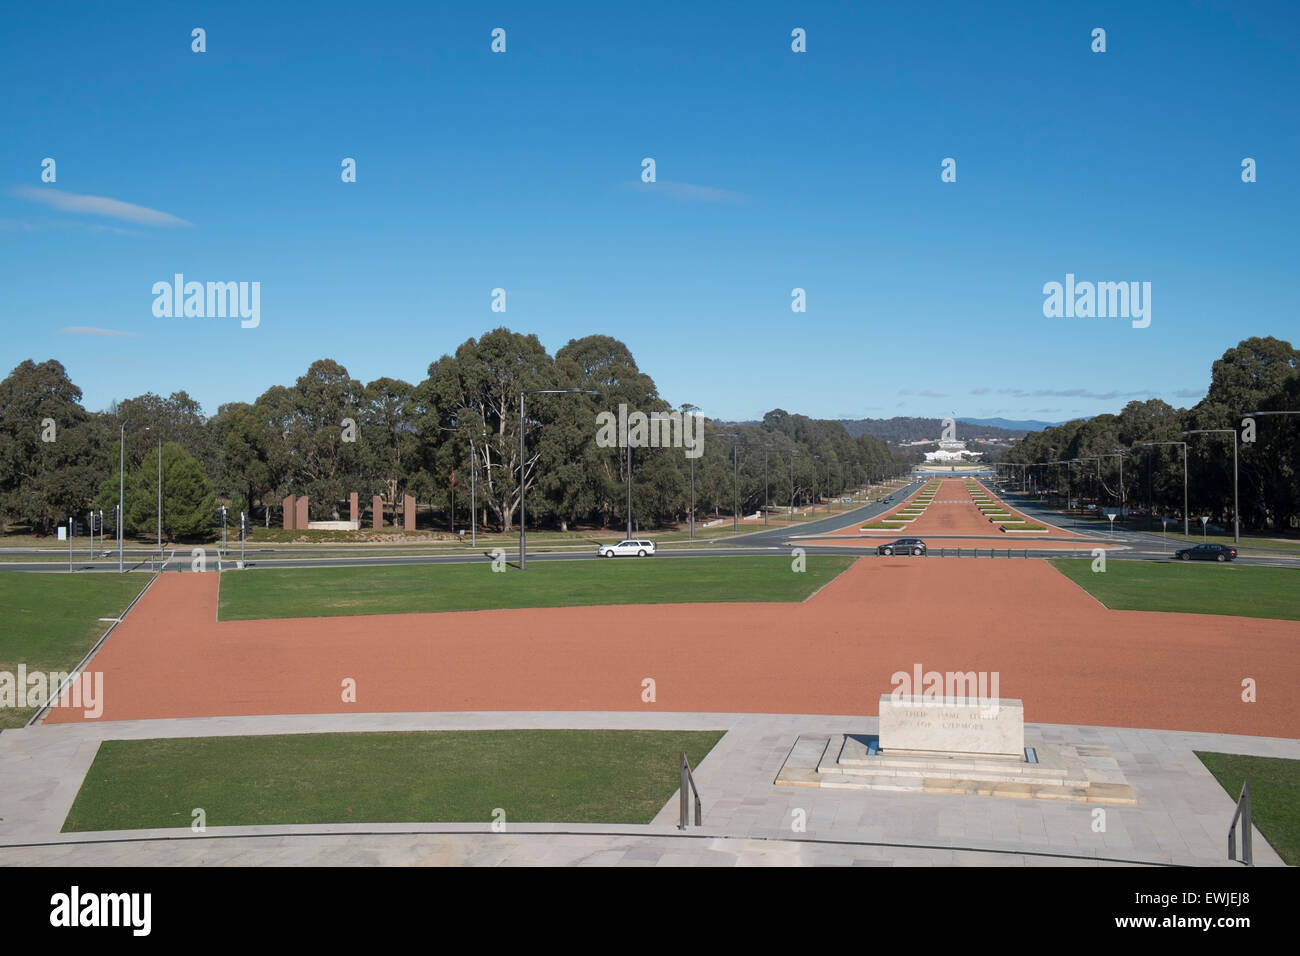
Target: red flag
(453, 479)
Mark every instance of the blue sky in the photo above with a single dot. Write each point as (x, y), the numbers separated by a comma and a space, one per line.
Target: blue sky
(775, 170)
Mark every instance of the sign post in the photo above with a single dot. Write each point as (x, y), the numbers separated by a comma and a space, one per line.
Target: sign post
(1204, 521)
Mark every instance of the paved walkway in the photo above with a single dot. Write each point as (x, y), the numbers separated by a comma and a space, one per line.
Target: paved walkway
(1181, 817)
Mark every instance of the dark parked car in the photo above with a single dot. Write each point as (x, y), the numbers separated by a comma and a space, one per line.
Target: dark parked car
(903, 546)
(1207, 552)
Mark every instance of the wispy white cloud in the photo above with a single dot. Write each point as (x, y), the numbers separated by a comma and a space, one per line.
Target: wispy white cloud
(1189, 393)
(91, 330)
(98, 206)
(691, 191)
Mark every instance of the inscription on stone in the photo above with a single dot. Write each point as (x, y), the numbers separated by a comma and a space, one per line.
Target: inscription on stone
(988, 727)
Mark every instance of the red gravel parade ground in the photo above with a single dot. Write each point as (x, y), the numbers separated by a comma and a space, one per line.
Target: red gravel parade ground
(1070, 659)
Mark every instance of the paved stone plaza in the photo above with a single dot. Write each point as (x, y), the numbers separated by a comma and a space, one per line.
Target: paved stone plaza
(1181, 817)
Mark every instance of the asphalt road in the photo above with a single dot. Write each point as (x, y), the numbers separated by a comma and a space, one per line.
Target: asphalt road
(1138, 545)
(1143, 545)
(845, 519)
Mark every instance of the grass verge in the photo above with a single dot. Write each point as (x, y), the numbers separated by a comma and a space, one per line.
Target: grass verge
(1190, 588)
(51, 620)
(535, 776)
(1274, 796)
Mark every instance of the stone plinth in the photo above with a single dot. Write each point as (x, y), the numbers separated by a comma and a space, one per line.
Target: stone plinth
(377, 513)
(333, 525)
(289, 514)
(300, 514)
(952, 726)
(408, 513)
(1081, 773)
(354, 508)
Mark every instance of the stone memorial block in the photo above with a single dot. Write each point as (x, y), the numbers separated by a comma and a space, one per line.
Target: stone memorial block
(354, 508)
(408, 513)
(287, 505)
(377, 513)
(952, 726)
(300, 514)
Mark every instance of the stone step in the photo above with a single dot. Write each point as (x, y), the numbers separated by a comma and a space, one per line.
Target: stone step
(1058, 779)
(843, 762)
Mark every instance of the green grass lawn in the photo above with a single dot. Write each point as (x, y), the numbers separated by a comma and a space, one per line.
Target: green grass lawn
(535, 776)
(329, 592)
(50, 620)
(1274, 797)
(1191, 587)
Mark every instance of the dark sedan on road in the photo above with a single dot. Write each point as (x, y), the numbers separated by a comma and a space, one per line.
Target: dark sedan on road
(903, 546)
(1207, 552)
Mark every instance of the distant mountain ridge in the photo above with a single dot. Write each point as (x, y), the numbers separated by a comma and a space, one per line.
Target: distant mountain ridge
(1011, 424)
(904, 429)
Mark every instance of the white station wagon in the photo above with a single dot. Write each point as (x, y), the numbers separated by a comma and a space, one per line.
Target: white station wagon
(632, 548)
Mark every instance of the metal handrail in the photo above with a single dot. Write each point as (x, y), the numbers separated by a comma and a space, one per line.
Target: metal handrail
(1242, 813)
(688, 779)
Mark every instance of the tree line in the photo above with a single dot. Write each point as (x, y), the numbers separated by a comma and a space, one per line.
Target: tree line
(1259, 374)
(328, 434)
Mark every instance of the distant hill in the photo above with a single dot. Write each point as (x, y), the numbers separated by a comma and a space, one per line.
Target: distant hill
(1010, 424)
(901, 429)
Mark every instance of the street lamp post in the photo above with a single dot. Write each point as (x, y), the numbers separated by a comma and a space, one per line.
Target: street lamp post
(766, 446)
(817, 458)
(121, 488)
(160, 495)
(1236, 513)
(1095, 458)
(735, 487)
(473, 499)
(523, 527)
(1066, 463)
(792, 484)
(689, 410)
(1186, 523)
(1117, 453)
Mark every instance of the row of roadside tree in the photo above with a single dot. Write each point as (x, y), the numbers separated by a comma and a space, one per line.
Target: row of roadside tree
(1258, 375)
(327, 434)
